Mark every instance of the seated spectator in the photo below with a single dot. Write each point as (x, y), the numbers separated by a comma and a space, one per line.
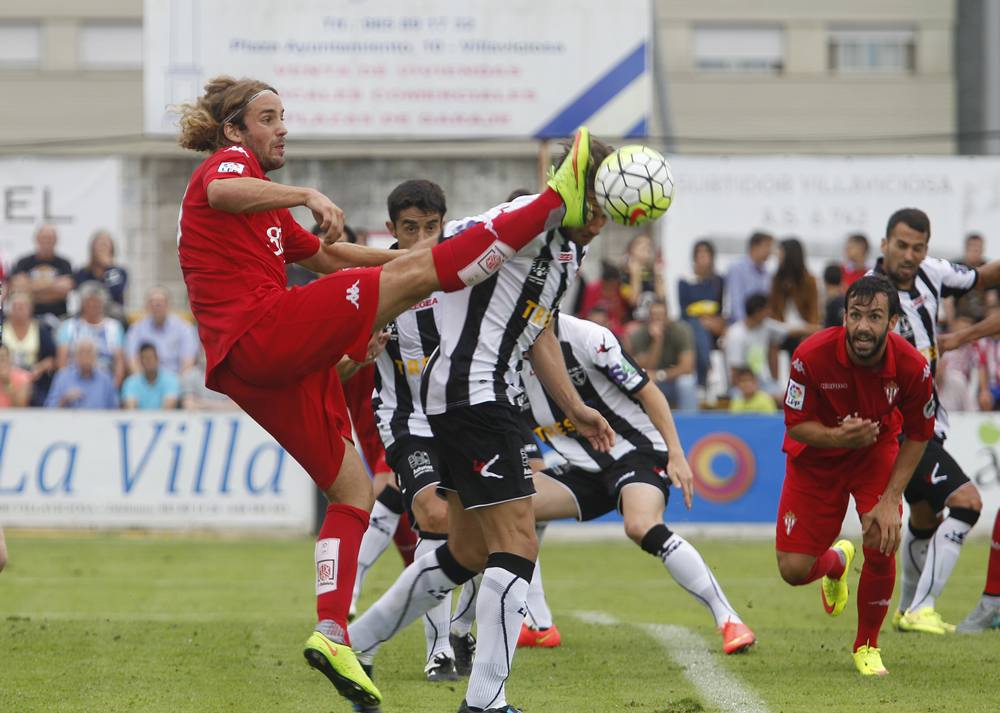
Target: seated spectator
(31, 343)
(700, 299)
(794, 296)
(93, 324)
(606, 295)
(152, 387)
(47, 277)
(643, 274)
(195, 396)
(15, 383)
(83, 383)
(833, 311)
(753, 342)
(102, 268)
(665, 349)
(176, 340)
(749, 275)
(855, 263)
(973, 303)
(749, 398)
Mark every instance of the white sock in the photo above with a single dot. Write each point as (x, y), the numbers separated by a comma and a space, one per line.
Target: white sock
(945, 547)
(437, 619)
(914, 554)
(500, 612)
(690, 571)
(465, 611)
(381, 528)
(539, 614)
(419, 588)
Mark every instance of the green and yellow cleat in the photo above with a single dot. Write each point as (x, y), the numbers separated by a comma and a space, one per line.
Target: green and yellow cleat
(834, 591)
(868, 661)
(897, 616)
(925, 621)
(569, 180)
(339, 664)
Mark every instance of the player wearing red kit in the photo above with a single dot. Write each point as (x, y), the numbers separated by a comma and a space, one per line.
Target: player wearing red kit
(274, 350)
(851, 390)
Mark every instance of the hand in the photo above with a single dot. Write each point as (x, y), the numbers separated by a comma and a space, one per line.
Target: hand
(884, 522)
(590, 424)
(680, 475)
(375, 346)
(329, 217)
(856, 432)
(947, 342)
(655, 330)
(71, 396)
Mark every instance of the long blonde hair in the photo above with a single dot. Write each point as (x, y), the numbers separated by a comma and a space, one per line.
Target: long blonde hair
(224, 101)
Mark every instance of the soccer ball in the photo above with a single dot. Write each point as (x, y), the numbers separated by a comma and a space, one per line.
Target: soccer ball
(634, 185)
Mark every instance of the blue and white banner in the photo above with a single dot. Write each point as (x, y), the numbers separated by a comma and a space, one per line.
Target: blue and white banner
(412, 68)
(147, 469)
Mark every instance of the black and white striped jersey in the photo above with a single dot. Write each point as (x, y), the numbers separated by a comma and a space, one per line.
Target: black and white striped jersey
(486, 328)
(935, 279)
(413, 337)
(607, 379)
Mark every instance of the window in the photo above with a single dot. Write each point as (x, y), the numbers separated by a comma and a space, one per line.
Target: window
(855, 50)
(729, 48)
(20, 44)
(111, 45)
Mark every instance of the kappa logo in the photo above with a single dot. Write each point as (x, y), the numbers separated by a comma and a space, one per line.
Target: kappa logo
(789, 520)
(239, 149)
(483, 467)
(354, 294)
(927, 373)
(891, 390)
(799, 366)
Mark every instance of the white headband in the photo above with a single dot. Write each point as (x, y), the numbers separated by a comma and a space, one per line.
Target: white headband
(248, 102)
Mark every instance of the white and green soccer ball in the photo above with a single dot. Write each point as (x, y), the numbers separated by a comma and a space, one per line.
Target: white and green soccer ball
(634, 185)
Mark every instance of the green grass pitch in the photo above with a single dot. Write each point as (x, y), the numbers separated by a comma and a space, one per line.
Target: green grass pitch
(118, 623)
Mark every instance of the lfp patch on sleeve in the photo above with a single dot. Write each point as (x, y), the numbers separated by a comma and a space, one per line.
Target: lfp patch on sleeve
(795, 396)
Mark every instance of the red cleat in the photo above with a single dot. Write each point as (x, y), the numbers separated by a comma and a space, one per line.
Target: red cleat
(540, 638)
(737, 637)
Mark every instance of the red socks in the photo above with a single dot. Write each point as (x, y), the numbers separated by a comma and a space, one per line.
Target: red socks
(405, 539)
(827, 564)
(474, 254)
(993, 570)
(337, 561)
(878, 575)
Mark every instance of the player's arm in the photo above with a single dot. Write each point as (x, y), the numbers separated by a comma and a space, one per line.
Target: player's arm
(330, 258)
(989, 275)
(853, 432)
(987, 327)
(253, 195)
(347, 367)
(885, 515)
(655, 404)
(547, 360)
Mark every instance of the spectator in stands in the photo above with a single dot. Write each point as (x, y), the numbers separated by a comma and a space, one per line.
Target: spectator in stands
(753, 342)
(195, 396)
(152, 387)
(794, 296)
(598, 315)
(855, 263)
(973, 303)
(700, 298)
(15, 383)
(974, 248)
(963, 375)
(749, 275)
(606, 294)
(643, 273)
(175, 339)
(665, 349)
(749, 398)
(83, 383)
(102, 268)
(47, 277)
(94, 325)
(31, 343)
(833, 312)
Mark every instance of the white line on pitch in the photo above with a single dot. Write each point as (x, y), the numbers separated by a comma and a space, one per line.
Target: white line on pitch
(700, 666)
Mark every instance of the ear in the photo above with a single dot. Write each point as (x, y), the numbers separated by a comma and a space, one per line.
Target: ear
(885, 244)
(231, 132)
(892, 322)
(391, 227)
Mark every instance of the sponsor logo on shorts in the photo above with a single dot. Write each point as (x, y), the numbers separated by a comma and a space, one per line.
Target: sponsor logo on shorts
(420, 463)
(483, 467)
(231, 167)
(891, 389)
(354, 294)
(789, 520)
(795, 397)
(627, 476)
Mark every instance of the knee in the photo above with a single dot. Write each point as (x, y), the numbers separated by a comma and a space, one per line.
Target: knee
(471, 555)
(965, 498)
(636, 529)
(794, 570)
(879, 564)
(431, 512)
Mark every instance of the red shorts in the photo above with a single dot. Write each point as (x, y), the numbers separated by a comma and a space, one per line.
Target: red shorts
(282, 372)
(814, 498)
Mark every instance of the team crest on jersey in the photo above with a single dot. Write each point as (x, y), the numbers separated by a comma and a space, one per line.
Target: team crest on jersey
(577, 375)
(789, 520)
(392, 330)
(904, 328)
(891, 390)
(539, 270)
(799, 366)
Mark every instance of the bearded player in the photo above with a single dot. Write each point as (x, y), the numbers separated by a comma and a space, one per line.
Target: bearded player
(851, 390)
(274, 351)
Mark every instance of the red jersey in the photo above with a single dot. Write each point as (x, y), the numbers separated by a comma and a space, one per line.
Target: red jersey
(233, 264)
(825, 385)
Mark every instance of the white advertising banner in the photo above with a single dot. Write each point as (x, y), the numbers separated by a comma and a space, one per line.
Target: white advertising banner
(69, 469)
(821, 200)
(974, 442)
(411, 68)
(77, 196)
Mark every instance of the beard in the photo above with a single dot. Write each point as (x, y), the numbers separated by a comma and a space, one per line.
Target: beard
(869, 348)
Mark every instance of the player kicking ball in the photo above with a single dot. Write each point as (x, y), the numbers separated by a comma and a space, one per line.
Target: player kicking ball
(274, 350)
(851, 391)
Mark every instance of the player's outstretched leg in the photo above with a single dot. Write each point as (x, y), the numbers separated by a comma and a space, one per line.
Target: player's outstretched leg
(463, 643)
(833, 589)
(986, 615)
(878, 575)
(385, 516)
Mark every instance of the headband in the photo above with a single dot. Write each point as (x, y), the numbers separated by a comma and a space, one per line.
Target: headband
(236, 111)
